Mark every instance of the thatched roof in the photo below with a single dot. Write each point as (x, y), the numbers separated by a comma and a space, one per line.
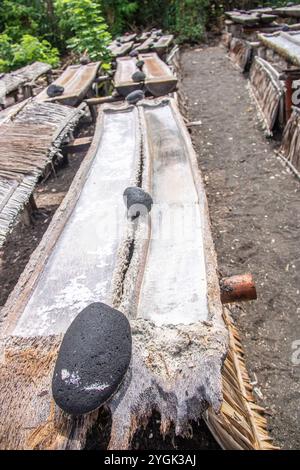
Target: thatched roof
(12, 81)
(28, 143)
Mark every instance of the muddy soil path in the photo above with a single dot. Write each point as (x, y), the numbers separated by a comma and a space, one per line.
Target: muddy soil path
(254, 206)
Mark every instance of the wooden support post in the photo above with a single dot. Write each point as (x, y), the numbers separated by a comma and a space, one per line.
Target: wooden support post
(102, 100)
(238, 288)
(289, 76)
(32, 203)
(49, 77)
(288, 96)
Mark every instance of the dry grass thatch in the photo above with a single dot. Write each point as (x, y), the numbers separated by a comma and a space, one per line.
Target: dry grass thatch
(12, 81)
(241, 424)
(267, 91)
(28, 140)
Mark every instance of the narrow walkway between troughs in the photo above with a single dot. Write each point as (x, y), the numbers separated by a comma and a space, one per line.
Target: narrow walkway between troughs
(254, 206)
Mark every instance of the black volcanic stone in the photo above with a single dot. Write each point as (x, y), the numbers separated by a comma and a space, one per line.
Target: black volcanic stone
(135, 96)
(140, 64)
(84, 60)
(138, 76)
(136, 199)
(133, 53)
(55, 90)
(93, 358)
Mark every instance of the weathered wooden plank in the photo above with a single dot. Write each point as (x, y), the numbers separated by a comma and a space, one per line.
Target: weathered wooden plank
(77, 81)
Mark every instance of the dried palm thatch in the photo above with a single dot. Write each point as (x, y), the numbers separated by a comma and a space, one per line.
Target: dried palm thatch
(267, 91)
(240, 53)
(29, 140)
(12, 81)
(290, 147)
(33, 71)
(241, 424)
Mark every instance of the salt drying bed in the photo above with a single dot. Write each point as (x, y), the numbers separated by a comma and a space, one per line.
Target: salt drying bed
(174, 285)
(162, 276)
(88, 246)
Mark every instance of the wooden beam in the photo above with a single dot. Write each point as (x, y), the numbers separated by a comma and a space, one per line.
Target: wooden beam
(78, 145)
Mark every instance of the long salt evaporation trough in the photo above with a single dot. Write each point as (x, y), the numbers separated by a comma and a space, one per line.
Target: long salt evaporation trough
(160, 272)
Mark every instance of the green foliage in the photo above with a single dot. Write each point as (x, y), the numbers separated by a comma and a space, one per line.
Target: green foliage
(19, 17)
(28, 50)
(119, 14)
(83, 27)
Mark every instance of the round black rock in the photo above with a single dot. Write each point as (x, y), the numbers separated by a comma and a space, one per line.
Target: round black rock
(135, 96)
(137, 201)
(55, 90)
(138, 76)
(84, 60)
(133, 53)
(93, 359)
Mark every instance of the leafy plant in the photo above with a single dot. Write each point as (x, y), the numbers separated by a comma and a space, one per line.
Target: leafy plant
(28, 50)
(83, 27)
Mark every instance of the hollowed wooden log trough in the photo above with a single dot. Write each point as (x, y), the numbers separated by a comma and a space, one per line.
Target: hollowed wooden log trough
(159, 79)
(159, 270)
(77, 81)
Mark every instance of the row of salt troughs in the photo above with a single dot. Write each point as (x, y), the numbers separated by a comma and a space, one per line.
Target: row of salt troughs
(33, 130)
(266, 44)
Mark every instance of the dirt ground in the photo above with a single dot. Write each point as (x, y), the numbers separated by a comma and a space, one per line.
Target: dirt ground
(254, 206)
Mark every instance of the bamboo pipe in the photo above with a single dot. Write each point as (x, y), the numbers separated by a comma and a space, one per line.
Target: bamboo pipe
(238, 288)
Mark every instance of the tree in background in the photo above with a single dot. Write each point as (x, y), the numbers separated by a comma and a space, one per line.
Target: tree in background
(83, 28)
(119, 14)
(24, 33)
